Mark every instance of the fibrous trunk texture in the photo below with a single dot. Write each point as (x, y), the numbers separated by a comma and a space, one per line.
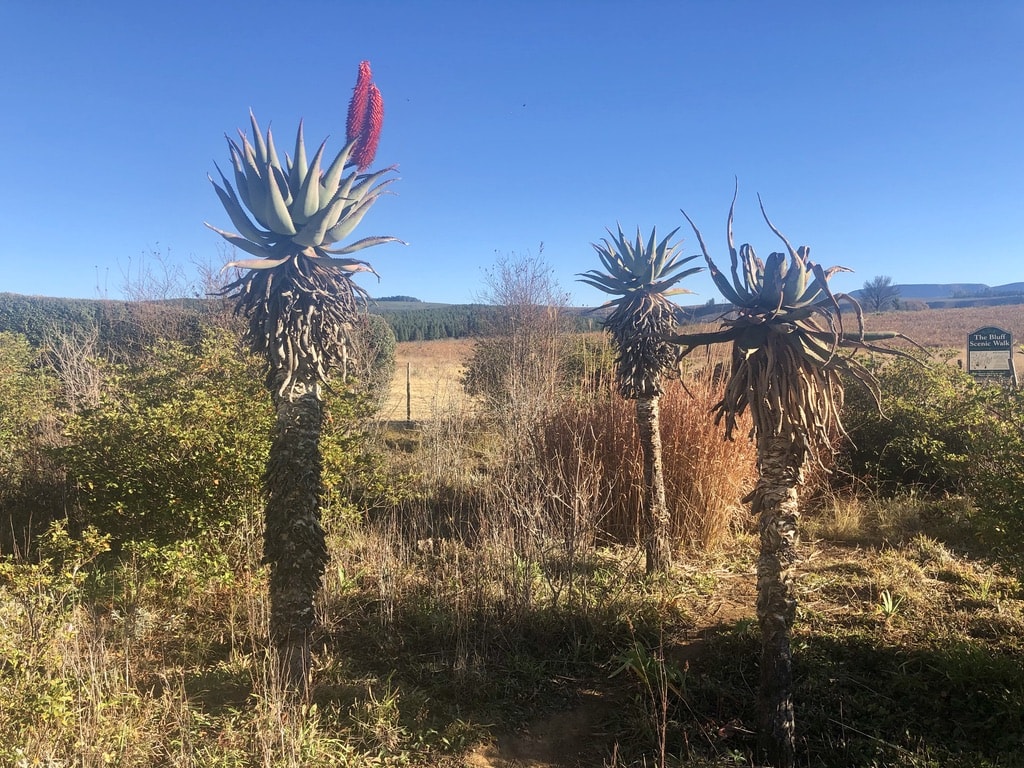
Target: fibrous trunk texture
(656, 537)
(776, 501)
(294, 542)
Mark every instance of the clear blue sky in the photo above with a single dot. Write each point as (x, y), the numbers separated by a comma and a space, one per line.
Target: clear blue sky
(887, 135)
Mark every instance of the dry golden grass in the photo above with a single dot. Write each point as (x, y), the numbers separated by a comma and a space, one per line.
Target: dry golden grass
(943, 329)
(430, 373)
(948, 328)
(705, 474)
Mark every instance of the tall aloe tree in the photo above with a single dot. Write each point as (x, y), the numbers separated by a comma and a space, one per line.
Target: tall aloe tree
(642, 276)
(299, 297)
(789, 354)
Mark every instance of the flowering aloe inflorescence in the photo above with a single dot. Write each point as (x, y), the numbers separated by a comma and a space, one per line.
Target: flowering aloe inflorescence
(365, 118)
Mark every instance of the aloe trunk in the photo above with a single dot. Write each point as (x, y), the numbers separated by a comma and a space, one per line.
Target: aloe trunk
(776, 498)
(294, 543)
(655, 507)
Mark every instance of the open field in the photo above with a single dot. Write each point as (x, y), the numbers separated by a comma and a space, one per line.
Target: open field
(436, 367)
(949, 328)
(434, 370)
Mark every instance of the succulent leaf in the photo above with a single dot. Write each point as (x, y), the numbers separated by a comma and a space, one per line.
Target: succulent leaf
(366, 242)
(315, 231)
(308, 197)
(255, 263)
(353, 213)
(257, 138)
(332, 178)
(244, 243)
(235, 211)
(238, 164)
(299, 165)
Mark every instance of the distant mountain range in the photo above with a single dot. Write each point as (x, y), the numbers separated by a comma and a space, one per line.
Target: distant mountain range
(928, 291)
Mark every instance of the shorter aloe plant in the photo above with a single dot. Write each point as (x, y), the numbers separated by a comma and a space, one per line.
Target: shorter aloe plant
(642, 275)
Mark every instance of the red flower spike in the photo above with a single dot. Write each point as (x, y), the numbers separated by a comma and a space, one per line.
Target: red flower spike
(359, 104)
(366, 146)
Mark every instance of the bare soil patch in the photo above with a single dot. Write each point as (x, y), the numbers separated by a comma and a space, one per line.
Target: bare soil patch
(567, 739)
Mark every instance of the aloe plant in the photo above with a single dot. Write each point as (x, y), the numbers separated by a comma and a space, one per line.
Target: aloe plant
(298, 294)
(789, 355)
(642, 276)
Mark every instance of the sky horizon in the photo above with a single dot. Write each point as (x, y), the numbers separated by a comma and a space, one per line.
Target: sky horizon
(886, 136)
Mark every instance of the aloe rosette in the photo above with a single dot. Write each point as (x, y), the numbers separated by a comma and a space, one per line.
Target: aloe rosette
(789, 341)
(641, 275)
(292, 218)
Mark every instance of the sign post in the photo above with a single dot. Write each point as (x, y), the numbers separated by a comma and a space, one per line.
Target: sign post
(990, 354)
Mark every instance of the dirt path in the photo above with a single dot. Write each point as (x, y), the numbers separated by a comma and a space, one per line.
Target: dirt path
(580, 737)
(570, 739)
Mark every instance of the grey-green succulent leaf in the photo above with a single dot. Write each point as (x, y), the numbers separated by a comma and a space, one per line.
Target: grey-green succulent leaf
(255, 263)
(348, 265)
(366, 242)
(332, 178)
(244, 243)
(236, 213)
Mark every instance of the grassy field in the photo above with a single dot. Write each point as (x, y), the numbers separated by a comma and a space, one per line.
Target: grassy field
(950, 327)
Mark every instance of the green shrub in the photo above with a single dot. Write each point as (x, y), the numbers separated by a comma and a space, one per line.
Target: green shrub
(27, 397)
(373, 350)
(996, 477)
(175, 447)
(29, 488)
(178, 446)
(923, 437)
(941, 433)
(356, 479)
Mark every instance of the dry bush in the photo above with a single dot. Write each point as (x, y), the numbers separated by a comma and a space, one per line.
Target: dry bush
(574, 480)
(705, 475)
(74, 355)
(517, 366)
